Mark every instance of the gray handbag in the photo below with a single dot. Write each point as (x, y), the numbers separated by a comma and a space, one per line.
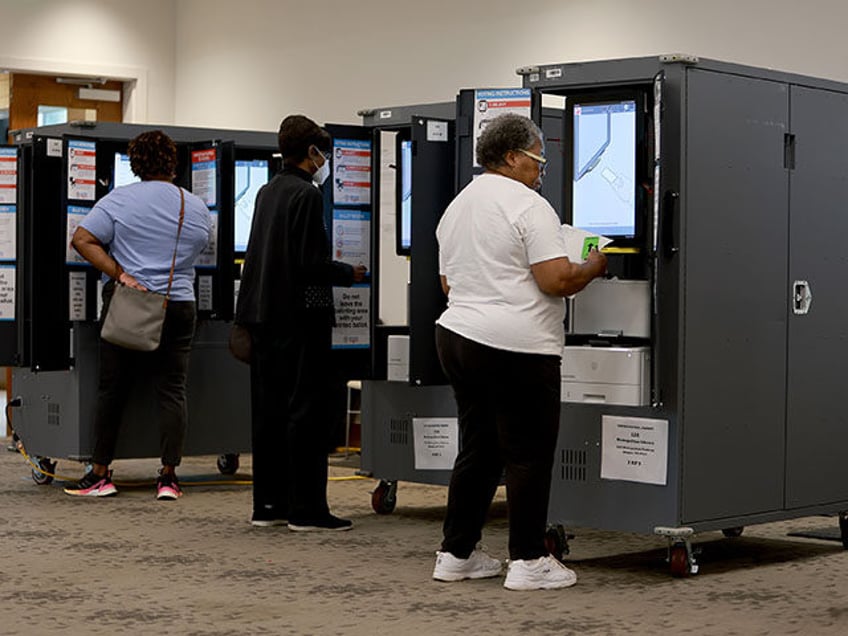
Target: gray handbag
(135, 318)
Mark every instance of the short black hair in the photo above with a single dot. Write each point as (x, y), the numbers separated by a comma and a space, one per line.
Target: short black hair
(153, 154)
(297, 133)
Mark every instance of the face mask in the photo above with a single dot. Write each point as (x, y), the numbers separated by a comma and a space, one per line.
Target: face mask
(322, 173)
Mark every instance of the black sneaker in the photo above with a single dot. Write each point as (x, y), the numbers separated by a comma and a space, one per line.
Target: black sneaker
(92, 485)
(167, 487)
(329, 522)
(266, 516)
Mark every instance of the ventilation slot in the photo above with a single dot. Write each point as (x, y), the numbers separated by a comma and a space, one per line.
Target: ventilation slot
(399, 432)
(53, 418)
(573, 465)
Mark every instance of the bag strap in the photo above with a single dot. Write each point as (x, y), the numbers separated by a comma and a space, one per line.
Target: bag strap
(174, 259)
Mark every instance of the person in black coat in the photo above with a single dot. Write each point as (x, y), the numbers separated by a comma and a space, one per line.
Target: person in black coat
(286, 303)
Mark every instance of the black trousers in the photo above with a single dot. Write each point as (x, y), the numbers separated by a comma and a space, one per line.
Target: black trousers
(508, 405)
(291, 387)
(167, 368)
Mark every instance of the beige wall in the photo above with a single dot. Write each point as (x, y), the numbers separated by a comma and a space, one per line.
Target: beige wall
(119, 39)
(248, 63)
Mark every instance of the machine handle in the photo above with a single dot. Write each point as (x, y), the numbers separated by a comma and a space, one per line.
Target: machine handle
(594, 398)
(802, 297)
(670, 201)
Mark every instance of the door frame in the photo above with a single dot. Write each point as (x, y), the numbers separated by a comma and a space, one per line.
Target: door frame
(134, 78)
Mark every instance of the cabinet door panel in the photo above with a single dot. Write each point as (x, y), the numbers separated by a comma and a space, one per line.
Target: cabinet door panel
(735, 224)
(817, 423)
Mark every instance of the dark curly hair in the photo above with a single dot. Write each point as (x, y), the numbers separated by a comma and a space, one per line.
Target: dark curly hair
(297, 134)
(502, 134)
(153, 155)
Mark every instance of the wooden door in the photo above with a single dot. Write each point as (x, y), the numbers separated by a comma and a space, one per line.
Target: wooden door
(28, 92)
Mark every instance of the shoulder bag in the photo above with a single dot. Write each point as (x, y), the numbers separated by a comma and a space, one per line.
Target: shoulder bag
(135, 318)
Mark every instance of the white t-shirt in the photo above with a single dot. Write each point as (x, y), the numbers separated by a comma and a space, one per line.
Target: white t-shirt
(488, 237)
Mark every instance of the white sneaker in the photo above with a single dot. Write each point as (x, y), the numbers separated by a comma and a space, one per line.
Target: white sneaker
(478, 565)
(544, 573)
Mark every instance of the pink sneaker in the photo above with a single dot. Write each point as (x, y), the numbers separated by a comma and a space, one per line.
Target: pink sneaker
(92, 485)
(168, 488)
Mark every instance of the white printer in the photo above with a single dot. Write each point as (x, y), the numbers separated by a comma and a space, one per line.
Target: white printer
(606, 375)
(614, 307)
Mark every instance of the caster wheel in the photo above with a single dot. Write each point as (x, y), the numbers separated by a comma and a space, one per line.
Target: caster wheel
(228, 464)
(556, 541)
(843, 528)
(731, 533)
(44, 464)
(678, 561)
(384, 497)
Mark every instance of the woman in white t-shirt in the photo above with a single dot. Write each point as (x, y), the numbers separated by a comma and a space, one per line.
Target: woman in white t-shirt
(504, 268)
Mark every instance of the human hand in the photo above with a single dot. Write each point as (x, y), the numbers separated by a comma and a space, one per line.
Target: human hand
(359, 273)
(597, 260)
(130, 281)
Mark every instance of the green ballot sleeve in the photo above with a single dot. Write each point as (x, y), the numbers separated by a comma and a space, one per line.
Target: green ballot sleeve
(588, 243)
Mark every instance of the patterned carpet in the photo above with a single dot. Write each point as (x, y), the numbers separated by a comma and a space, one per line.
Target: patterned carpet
(133, 565)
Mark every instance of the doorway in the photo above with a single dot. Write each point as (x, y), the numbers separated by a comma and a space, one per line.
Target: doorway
(38, 100)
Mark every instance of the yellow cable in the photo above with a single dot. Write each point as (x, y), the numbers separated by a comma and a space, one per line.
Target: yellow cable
(21, 450)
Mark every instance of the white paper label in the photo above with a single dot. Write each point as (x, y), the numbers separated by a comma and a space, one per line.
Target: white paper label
(352, 245)
(437, 130)
(352, 317)
(204, 293)
(82, 161)
(8, 232)
(209, 256)
(7, 292)
(74, 217)
(54, 147)
(436, 441)
(634, 449)
(76, 296)
(8, 175)
(203, 168)
(351, 172)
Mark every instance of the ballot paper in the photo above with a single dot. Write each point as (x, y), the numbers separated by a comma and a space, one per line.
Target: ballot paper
(579, 242)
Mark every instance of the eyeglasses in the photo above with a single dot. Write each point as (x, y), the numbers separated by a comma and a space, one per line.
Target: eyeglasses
(327, 155)
(542, 161)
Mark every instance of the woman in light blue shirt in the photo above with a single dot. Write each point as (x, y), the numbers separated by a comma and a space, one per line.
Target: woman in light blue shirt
(131, 236)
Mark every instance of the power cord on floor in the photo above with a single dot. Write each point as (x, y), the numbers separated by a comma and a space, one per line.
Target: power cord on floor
(228, 482)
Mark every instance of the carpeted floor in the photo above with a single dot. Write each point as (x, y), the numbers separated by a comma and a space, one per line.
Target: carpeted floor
(133, 565)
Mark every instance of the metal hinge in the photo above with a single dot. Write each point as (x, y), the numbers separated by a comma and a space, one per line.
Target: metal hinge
(679, 58)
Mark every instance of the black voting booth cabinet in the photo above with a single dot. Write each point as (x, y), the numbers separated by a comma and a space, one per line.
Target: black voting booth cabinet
(701, 386)
(53, 348)
(414, 186)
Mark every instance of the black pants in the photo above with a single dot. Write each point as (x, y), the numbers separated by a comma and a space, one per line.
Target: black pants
(508, 405)
(291, 387)
(166, 368)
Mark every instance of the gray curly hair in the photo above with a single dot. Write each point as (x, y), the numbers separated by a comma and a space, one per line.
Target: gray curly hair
(504, 133)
